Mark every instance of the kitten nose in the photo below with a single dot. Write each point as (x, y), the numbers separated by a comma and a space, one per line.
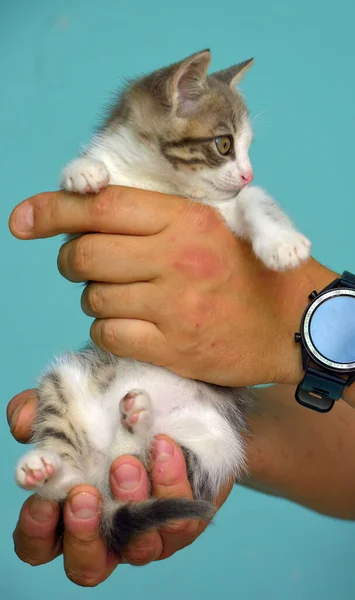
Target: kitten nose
(247, 177)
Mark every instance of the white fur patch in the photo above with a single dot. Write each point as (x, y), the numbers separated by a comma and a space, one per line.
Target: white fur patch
(192, 413)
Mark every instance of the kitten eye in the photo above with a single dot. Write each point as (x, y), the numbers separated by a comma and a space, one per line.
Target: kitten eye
(224, 144)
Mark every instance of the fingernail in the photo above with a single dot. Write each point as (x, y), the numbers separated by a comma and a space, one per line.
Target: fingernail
(162, 450)
(84, 505)
(24, 218)
(41, 510)
(127, 476)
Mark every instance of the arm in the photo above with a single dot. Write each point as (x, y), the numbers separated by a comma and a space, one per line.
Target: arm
(303, 456)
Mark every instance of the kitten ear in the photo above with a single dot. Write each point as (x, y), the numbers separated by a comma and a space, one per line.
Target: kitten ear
(188, 81)
(233, 75)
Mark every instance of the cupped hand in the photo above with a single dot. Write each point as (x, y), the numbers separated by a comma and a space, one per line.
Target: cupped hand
(171, 285)
(86, 559)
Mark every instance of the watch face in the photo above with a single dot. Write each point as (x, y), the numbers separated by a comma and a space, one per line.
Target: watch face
(329, 329)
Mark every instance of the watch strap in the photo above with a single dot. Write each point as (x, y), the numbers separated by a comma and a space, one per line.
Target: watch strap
(347, 280)
(319, 390)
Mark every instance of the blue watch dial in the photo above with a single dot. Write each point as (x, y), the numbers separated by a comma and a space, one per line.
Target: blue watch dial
(332, 329)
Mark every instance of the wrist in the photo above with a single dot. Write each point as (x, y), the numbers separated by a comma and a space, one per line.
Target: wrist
(349, 395)
(293, 291)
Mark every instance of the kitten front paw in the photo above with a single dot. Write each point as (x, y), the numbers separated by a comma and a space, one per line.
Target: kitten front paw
(136, 411)
(287, 250)
(85, 176)
(36, 468)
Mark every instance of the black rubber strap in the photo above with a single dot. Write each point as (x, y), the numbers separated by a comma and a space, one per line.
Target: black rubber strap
(319, 390)
(347, 280)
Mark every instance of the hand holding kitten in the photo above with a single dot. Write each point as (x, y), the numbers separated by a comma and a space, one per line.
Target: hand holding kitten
(86, 560)
(174, 287)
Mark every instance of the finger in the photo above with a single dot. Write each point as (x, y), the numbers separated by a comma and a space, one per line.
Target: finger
(114, 210)
(131, 301)
(169, 480)
(86, 258)
(131, 338)
(223, 494)
(218, 501)
(35, 537)
(129, 483)
(21, 411)
(86, 560)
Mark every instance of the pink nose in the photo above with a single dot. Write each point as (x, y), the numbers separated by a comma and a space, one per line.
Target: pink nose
(247, 177)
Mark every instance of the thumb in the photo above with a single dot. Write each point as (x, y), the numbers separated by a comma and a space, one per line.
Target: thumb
(20, 414)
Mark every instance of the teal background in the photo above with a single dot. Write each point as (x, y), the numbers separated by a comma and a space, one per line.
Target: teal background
(59, 62)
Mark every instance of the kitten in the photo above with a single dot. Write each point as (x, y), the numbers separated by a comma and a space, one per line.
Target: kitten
(182, 132)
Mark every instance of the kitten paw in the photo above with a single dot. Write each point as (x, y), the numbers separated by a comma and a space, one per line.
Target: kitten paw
(136, 411)
(286, 251)
(36, 468)
(85, 176)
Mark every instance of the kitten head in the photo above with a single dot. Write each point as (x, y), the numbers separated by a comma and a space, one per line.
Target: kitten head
(196, 126)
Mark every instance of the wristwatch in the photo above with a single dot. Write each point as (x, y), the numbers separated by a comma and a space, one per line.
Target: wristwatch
(327, 338)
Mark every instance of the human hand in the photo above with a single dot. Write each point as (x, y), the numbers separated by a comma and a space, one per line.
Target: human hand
(174, 287)
(86, 560)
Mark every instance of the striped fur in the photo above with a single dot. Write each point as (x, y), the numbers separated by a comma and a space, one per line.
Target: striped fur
(79, 430)
(160, 135)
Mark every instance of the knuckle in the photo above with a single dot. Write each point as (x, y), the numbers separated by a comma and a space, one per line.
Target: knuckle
(47, 209)
(62, 260)
(165, 475)
(52, 205)
(94, 299)
(100, 205)
(104, 335)
(108, 334)
(28, 559)
(185, 529)
(82, 578)
(80, 256)
(141, 553)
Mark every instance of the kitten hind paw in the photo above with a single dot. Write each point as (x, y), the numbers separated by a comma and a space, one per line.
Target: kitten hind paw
(136, 411)
(85, 176)
(36, 468)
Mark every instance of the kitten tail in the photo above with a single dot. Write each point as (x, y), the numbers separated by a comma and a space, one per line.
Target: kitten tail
(120, 524)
